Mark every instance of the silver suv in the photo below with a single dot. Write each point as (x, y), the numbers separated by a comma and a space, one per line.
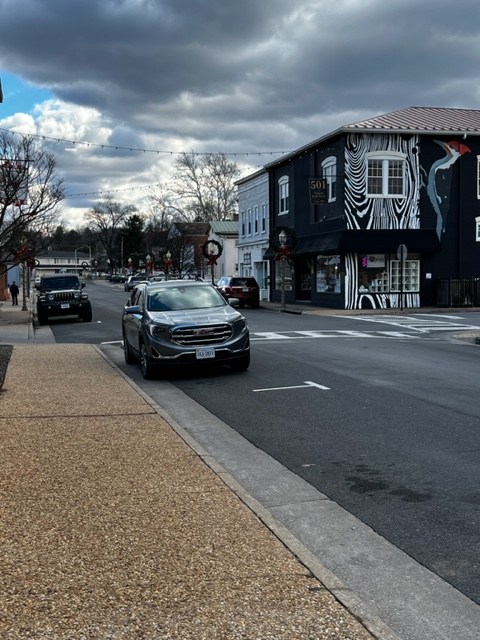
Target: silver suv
(183, 322)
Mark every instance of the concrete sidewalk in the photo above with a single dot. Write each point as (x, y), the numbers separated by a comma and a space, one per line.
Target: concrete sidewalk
(114, 527)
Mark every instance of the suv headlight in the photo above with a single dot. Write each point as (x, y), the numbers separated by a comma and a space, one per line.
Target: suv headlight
(76, 295)
(156, 330)
(240, 325)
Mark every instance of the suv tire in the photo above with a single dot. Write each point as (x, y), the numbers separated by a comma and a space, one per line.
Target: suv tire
(87, 313)
(148, 369)
(41, 316)
(129, 357)
(241, 364)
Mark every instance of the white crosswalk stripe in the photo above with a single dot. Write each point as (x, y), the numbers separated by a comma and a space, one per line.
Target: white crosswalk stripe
(256, 336)
(402, 328)
(417, 323)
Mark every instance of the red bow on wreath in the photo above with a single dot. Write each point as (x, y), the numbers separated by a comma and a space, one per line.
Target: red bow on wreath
(24, 252)
(212, 258)
(283, 252)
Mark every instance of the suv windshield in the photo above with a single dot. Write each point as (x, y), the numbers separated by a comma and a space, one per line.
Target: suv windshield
(62, 282)
(181, 298)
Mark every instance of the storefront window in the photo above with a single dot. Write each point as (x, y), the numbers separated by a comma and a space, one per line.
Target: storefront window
(328, 274)
(373, 274)
(380, 273)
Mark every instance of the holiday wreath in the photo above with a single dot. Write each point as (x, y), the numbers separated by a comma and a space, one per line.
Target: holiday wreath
(282, 251)
(211, 255)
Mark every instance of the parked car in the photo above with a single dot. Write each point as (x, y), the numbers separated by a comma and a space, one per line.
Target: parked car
(244, 288)
(62, 295)
(183, 322)
(134, 279)
(116, 277)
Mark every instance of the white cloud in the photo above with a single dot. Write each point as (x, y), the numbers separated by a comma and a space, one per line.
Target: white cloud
(249, 77)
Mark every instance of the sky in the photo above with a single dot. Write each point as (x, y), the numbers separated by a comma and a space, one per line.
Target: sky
(117, 89)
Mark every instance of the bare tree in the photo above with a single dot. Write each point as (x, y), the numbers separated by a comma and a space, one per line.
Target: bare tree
(106, 220)
(206, 186)
(30, 195)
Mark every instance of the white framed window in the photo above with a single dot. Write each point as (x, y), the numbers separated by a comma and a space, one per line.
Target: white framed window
(242, 218)
(410, 276)
(478, 177)
(329, 167)
(385, 174)
(255, 221)
(283, 195)
(249, 222)
(477, 228)
(264, 218)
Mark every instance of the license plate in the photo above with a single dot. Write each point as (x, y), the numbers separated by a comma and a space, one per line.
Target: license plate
(245, 289)
(65, 305)
(205, 353)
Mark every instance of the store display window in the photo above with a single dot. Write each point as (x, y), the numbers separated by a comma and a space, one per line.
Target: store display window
(328, 274)
(380, 273)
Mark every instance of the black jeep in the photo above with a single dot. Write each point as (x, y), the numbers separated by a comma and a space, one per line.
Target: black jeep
(62, 295)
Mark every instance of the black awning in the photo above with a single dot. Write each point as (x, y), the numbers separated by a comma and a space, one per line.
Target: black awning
(365, 240)
(322, 243)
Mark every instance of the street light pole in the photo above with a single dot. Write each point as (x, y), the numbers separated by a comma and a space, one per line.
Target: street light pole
(282, 236)
(168, 262)
(84, 246)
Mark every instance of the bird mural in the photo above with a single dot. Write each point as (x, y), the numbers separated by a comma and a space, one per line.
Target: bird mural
(440, 178)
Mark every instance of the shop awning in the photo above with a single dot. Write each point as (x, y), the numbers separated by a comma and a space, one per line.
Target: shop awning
(368, 241)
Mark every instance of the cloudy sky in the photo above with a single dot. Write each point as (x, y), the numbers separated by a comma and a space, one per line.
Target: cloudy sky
(118, 88)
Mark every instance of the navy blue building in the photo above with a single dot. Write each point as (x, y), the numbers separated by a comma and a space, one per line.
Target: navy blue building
(379, 213)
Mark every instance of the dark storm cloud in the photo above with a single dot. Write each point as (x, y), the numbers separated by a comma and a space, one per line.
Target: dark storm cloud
(196, 65)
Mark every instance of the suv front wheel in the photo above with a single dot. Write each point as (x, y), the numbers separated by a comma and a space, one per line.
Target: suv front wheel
(41, 315)
(87, 313)
(146, 366)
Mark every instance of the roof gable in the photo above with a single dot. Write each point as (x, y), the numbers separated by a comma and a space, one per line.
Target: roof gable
(422, 119)
(224, 227)
(427, 120)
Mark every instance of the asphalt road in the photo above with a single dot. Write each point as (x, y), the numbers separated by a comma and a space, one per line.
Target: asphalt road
(394, 438)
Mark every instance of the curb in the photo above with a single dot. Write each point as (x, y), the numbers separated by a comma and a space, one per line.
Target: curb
(358, 609)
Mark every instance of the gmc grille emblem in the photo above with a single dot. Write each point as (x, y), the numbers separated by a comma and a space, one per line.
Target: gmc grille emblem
(203, 332)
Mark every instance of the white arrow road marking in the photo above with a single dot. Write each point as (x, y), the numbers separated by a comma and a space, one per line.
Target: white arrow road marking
(306, 384)
(113, 342)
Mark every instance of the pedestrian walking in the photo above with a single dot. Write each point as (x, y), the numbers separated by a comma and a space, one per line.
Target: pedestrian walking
(14, 291)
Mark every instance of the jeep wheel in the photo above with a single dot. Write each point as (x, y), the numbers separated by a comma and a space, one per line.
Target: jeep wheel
(42, 316)
(129, 357)
(87, 314)
(148, 369)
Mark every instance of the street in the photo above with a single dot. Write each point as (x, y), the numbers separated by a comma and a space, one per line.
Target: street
(379, 414)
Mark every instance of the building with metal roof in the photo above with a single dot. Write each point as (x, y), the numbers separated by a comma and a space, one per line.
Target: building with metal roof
(382, 212)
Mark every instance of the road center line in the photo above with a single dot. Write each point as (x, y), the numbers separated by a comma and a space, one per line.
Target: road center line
(298, 386)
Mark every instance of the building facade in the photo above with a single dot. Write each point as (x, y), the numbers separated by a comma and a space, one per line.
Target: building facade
(53, 262)
(254, 229)
(380, 212)
(225, 232)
